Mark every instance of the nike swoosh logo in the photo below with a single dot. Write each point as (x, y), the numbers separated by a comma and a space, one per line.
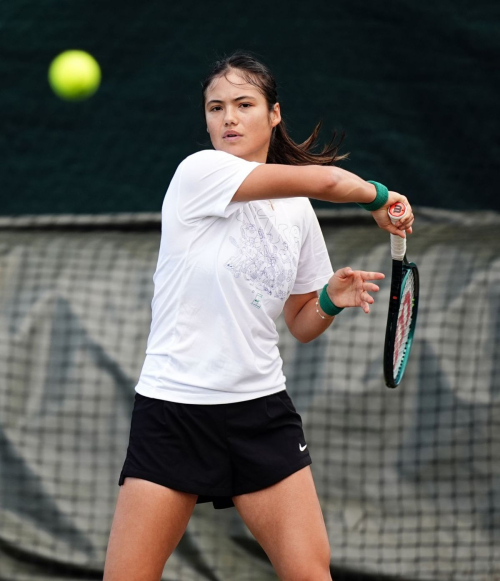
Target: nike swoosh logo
(302, 448)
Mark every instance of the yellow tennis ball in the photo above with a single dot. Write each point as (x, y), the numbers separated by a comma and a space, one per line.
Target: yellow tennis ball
(74, 75)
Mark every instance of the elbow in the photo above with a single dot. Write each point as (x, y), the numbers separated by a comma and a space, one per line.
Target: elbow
(300, 338)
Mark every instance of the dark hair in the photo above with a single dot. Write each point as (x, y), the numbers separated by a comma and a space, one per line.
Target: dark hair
(282, 148)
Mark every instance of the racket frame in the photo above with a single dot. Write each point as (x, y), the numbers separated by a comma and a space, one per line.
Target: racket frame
(400, 271)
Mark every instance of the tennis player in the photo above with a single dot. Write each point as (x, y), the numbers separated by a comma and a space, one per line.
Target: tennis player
(212, 420)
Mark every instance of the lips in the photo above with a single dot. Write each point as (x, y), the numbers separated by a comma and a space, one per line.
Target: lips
(231, 134)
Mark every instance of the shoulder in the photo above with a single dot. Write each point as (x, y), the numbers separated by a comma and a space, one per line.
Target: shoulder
(209, 157)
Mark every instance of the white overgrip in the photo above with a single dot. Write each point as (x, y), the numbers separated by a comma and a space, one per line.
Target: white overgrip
(398, 244)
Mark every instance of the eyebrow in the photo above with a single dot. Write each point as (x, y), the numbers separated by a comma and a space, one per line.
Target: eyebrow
(237, 99)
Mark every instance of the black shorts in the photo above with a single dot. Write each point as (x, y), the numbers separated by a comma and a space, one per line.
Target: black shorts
(216, 451)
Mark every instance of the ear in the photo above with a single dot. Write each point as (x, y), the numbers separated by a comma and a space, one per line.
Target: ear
(275, 115)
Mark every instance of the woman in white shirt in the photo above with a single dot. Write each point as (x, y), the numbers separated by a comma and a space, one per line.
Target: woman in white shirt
(212, 421)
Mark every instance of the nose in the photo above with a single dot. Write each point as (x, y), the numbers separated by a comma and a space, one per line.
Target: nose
(229, 117)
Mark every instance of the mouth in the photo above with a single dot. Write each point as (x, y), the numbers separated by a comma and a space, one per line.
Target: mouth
(231, 134)
(232, 137)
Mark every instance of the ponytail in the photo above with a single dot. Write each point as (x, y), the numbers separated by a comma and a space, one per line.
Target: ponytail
(283, 148)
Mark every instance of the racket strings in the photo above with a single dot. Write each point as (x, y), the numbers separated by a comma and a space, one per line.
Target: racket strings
(403, 326)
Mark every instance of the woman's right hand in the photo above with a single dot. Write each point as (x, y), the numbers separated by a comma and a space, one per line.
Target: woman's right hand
(382, 217)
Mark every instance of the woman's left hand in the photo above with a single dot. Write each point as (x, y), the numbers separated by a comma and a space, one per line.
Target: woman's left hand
(350, 288)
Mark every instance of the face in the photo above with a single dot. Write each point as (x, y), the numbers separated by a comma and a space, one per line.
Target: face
(234, 106)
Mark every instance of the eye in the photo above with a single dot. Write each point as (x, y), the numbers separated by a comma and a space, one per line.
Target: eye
(217, 107)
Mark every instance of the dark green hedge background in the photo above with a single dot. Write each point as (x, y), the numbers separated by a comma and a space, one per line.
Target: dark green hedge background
(412, 83)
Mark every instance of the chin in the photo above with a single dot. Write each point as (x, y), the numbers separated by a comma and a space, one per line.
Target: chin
(235, 149)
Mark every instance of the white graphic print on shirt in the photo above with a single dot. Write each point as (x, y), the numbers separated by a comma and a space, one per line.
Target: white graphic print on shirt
(266, 256)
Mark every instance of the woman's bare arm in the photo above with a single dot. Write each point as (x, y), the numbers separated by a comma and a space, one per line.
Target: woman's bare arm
(326, 183)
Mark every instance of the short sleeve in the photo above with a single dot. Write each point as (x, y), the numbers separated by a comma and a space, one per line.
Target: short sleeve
(207, 182)
(314, 269)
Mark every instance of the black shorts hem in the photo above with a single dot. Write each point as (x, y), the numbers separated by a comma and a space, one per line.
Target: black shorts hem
(276, 477)
(219, 498)
(168, 482)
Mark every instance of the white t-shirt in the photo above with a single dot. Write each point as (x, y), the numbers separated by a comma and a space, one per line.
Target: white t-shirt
(224, 272)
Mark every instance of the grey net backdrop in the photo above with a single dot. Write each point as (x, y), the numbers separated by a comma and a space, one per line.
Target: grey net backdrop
(408, 479)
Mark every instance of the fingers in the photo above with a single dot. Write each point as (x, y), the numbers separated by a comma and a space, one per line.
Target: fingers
(371, 275)
(365, 297)
(345, 272)
(405, 224)
(397, 231)
(365, 275)
(356, 286)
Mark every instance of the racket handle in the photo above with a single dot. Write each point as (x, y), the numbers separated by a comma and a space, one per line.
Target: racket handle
(398, 244)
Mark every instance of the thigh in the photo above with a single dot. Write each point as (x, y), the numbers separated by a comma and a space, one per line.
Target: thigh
(287, 521)
(149, 522)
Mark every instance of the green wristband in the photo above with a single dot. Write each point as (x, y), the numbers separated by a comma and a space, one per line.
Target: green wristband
(380, 199)
(326, 303)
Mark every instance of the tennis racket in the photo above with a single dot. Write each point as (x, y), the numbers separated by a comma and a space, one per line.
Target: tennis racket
(403, 306)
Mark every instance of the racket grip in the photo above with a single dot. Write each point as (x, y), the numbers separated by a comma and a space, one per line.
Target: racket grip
(398, 244)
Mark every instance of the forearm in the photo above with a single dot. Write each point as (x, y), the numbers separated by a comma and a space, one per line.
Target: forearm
(308, 324)
(347, 187)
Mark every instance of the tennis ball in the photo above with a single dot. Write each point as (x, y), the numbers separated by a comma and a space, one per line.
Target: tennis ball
(74, 75)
